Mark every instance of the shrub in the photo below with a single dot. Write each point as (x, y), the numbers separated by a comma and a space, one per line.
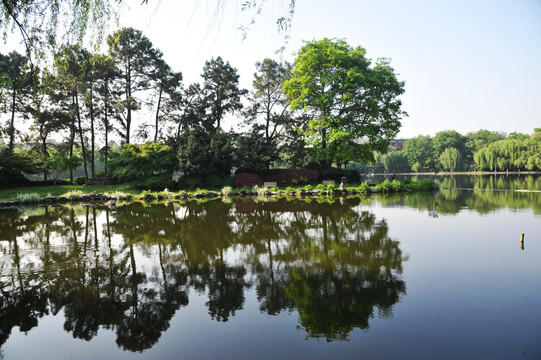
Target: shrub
(363, 188)
(422, 185)
(261, 191)
(213, 181)
(155, 182)
(74, 195)
(80, 180)
(29, 198)
(99, 175)
(389, 186)
(226, 190)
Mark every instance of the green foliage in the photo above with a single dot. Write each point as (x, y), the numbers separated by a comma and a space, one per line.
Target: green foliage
(12, 166)
(203, 153)
(99, 175)
(149, 165)
(226, 190)
(254, 151)
(387, 187)
(28, 198)
(80, 180)
(348, 98)
(393, 161)
(221, 92)
(59, 163)
(331, 189)
(74, 194)
(420, 153)
(212, 181)
(421, 185)
(450, 159)
(363, 188)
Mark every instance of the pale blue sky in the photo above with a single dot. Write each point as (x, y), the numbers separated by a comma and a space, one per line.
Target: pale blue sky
(467, 64)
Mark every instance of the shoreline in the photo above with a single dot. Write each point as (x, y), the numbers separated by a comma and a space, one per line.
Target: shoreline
(446, 173)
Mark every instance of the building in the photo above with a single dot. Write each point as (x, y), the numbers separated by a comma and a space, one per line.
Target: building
(397, 144)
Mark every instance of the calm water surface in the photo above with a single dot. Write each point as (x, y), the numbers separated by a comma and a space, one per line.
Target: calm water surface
(421, 276)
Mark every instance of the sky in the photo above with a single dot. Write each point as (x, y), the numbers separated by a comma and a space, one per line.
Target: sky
(467, 65)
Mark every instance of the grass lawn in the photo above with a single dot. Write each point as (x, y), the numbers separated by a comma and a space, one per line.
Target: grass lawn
(43, 191)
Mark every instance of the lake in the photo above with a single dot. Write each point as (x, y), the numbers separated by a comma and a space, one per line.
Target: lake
(418, 276)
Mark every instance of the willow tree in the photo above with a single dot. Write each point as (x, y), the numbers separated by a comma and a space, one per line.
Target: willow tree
(354, 104)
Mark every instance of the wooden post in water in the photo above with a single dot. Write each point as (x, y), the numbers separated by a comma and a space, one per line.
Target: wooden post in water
(522, 241)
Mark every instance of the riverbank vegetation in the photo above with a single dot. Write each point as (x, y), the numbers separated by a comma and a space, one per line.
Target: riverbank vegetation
(299, 115)
(451, 151)
(100, 193)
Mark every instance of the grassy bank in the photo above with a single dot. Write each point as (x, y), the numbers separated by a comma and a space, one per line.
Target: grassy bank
(9, 194)
(73, 192)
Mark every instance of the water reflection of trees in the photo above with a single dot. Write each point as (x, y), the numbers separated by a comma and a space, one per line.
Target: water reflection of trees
(488, 198)
(129, 270)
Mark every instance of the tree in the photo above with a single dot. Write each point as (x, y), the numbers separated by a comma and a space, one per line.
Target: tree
(420, 153)
(450, 139)
(60, 163)
(254, 151)
(394, 161)
(221, 89)
(16, 79)
(450, 158)
(135, 60)
(203, 153)
(39, 21)
(168, 85)
(73, 67)
(148, 165)
(355, 106)
(105, 73)
(268, 104)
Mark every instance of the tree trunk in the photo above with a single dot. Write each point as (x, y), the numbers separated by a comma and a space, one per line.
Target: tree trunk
(158, 114)
(11, 129)
(71, 142)
(80, 128)
(45, 153)
(92, 136)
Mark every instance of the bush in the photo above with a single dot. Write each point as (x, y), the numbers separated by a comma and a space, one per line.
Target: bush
(154, 182)
(99, 175)
(363, 188)
(422, 185)
(29, 198)
(80, 180)
(390, 186)
(73, 195)
(213, 181)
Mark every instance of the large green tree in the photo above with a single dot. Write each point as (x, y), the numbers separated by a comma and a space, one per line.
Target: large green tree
(136, 61)
(354, 104)
(420, 153)
(221, 91)
(16, 82)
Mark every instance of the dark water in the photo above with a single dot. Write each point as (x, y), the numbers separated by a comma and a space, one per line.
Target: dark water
(421, 276)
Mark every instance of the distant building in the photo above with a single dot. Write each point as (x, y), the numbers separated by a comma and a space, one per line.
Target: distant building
(397, 144)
